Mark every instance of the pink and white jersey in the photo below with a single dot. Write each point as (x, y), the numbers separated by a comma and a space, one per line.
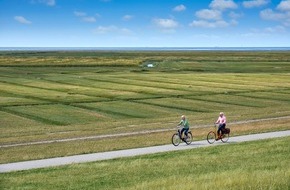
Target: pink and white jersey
(222, 120)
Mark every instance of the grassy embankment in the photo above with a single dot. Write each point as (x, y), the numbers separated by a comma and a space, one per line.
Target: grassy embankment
(255, 165)
(57, 95)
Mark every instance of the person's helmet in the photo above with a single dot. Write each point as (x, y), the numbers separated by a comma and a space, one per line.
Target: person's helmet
(221, 113)
(183, 117)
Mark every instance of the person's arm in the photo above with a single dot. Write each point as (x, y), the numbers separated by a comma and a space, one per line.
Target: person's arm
(224, 120)
(180, 123)
(218, 120)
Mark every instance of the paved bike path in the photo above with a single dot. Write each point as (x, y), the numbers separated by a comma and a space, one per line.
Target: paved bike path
(59, 161)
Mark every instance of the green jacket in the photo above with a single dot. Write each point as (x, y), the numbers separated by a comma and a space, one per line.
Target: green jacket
(184, 123)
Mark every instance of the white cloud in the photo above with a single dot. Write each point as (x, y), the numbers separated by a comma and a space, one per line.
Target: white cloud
(89, 19)
(223, 4)
(80, 14)
(281, 14)
(284, 5)
(179, 8)
(255, 3)
(84, 16)
(212, 18)
(22, 20)
(234, 15)
(165, 23)
(208, 14)
(112, 29)
(127, 17)
(269, 14)
(264, 31)
(282, 17)
(207, 24)
(47, 2)
(276, 29)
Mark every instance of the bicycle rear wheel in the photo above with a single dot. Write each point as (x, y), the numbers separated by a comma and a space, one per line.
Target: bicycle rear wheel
(189, 138)
(225, 138)
(175, 139)
(211, 137)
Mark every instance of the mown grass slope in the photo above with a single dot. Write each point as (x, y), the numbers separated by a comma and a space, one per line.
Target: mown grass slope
(255, 165)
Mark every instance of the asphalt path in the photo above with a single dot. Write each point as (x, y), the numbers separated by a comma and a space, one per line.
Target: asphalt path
(59, 161)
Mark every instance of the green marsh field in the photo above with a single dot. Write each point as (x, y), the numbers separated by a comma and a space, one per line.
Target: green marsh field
(89, 98)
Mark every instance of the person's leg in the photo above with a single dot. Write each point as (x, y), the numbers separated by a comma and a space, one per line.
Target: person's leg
(186, 132)
(223, 127)
(219, 130)
(182, 130)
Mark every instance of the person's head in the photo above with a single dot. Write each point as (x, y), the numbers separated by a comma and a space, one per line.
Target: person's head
(183, 117)
(221, 113)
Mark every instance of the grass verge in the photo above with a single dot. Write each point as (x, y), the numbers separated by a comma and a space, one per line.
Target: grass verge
(59, 149)
(255, 165)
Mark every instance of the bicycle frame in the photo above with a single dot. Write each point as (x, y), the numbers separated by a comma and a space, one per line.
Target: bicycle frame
(212, 136)
(176, 140)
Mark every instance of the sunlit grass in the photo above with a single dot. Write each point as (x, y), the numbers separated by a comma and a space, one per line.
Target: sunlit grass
(253, 165)
(31, 152)
(55, 95)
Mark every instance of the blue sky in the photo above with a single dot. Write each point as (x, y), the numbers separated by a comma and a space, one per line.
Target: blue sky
(144, 23)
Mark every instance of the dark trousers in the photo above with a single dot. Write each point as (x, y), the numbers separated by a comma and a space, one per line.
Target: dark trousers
(185, 130)
(221, 127)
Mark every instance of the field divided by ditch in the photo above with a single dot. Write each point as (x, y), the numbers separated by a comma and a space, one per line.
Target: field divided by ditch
(45, 98)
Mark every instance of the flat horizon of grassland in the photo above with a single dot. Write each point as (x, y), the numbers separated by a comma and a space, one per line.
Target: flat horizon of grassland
(59, 95)
(262, 164)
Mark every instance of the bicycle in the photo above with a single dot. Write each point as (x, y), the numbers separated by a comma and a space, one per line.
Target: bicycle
(176, 138)
(212, 135)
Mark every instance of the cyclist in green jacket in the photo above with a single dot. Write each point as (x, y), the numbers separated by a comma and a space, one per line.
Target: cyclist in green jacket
(185, 124)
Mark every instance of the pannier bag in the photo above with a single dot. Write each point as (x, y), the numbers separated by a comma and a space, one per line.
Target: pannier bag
(227, 131)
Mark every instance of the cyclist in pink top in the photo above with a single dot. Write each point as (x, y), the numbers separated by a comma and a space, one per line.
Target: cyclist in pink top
(222, 121)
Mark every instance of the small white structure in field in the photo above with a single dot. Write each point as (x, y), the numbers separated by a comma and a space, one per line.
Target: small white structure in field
(150, 65)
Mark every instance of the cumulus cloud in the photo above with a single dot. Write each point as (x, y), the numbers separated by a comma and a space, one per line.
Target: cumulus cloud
(112, 29)
(235, 15)
(269, 14)
(281, 14)
(209, 24)
(89, 19)
(223, 4)
(208, 14)
(22, 20)
(265, 31)
(179, 8)
(284, 5)
(80, 14)
(255, 3)
(84, 16)
(213, 17)
(127, 17)
(47, 2)
(276, 29)
(165, 23)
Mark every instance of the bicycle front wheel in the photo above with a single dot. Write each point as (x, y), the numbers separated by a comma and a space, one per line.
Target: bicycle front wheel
(225, 138)
(211, 137)
(175, 139)
(188, 140)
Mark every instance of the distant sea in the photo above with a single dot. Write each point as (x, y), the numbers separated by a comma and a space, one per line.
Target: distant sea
(144, 48)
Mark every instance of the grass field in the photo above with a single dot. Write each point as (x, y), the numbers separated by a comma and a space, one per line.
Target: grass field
(254, 165)
(56, 95)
